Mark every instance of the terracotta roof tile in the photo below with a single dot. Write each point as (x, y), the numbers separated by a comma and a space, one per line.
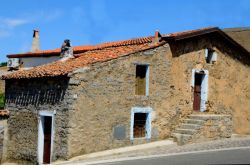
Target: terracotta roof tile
(59, 68)
(90, 54)
(84, 48)
(191, 32)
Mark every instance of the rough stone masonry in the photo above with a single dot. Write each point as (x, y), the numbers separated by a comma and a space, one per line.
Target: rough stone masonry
(92, 101)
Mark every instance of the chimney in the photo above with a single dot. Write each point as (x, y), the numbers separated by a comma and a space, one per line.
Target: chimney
(66, 50)
(157, 37)
(35, 42)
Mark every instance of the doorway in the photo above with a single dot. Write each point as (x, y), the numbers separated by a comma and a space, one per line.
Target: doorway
(200, 89)
(45, 138)
(197, 91)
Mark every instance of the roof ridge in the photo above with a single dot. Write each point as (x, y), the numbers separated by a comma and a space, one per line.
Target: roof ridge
(127, 42)
(80, 48)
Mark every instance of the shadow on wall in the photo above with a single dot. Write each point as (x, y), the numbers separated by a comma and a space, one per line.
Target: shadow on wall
(1, 142)
(36, 92)
(180, 47)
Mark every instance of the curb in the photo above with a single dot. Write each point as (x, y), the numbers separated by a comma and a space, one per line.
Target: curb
(118, 151)
(157, 156)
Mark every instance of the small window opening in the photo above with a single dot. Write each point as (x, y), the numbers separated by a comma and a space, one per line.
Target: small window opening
(211, 56)
(141, 79)
(140, 125)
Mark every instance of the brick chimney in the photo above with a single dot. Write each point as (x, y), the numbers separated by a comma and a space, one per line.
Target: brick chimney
(157, 37)
(35, 42)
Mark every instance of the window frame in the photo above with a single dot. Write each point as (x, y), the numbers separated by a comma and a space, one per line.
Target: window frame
(213, 54)
(147, 110)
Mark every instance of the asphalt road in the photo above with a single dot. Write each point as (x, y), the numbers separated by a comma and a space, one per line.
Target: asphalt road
(235, 156)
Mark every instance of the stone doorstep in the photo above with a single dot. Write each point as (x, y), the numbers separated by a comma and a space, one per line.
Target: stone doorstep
(190, 126)
(181, 139)
(118, 151)
(193, 121)
(185, 131)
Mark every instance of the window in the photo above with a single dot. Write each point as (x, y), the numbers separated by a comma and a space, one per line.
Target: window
(142, 78)
(211, 56)
(140, 123)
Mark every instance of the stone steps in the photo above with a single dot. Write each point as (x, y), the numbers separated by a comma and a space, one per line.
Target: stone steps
(185, 131)
(188, 128)
(181, 139)
(193, 121)
(191, 127)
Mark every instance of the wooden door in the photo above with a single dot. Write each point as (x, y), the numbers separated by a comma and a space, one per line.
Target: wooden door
(197, 98)
(47, 139)
(197, 92)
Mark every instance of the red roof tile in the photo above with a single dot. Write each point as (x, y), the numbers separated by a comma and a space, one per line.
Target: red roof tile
(88, 55)
(84, 48)
(59, 68)
(191, 32)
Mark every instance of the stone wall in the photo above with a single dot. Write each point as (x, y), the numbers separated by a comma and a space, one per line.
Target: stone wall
(24, 100)
(105, 93)
(1, 142)
(98, 98)
(228, 85)
(215, 127)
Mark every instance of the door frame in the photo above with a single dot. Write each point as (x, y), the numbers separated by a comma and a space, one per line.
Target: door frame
(40, 138)
(204, 87)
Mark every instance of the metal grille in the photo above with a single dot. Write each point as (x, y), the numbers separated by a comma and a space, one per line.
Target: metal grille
(139, 125)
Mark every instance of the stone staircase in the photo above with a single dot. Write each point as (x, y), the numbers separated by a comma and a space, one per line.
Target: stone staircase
(192, 126)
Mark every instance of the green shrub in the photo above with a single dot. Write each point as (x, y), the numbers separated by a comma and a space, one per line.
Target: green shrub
(3, 64)
(1, 100)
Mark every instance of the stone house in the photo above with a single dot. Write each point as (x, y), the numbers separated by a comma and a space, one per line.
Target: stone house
(192, 86)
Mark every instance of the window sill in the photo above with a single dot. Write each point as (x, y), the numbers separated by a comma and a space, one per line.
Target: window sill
(142, 97)
(141, 138)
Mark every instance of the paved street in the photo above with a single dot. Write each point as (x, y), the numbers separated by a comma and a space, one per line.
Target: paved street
(182, 154)
(235, 156)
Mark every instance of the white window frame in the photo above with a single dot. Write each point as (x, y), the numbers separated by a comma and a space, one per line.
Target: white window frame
(204, 87)
(214, 56)
(40, 142)
(147, 110)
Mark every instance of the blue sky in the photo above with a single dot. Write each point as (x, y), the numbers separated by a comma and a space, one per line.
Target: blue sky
(96, 21)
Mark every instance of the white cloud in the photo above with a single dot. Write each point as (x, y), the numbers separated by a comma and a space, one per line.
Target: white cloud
(12, 22)
(7, 25)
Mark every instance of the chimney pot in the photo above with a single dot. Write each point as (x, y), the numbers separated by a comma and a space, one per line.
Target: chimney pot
(36, 41)
(35, 33)
(66, 50)
(157, 37)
